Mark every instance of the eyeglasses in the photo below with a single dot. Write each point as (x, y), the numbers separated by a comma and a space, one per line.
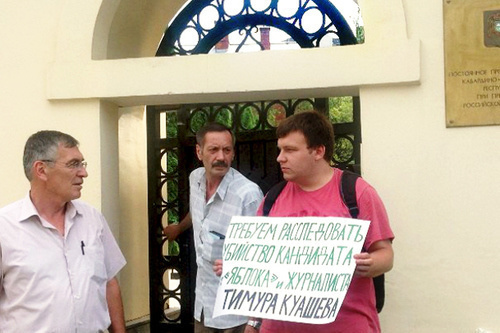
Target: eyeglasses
(73, 165)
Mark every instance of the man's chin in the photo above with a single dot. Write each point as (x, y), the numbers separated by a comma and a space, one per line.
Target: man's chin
(220, 171)
(76, 195)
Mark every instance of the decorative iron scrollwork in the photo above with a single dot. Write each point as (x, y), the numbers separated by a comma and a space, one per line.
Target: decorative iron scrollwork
(203, 23)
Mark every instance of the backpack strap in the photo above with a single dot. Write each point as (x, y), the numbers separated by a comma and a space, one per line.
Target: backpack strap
(348, 192)
(379, 284)
(271, 197)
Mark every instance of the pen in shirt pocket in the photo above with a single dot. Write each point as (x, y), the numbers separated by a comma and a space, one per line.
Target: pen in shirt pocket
(217, 234)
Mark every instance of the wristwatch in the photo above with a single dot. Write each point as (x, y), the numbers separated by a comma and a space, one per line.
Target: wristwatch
(254, 323)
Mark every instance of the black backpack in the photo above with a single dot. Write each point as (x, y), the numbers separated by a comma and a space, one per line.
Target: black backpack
(348, 193)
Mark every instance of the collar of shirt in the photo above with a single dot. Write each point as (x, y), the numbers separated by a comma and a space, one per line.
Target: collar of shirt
(29, 210)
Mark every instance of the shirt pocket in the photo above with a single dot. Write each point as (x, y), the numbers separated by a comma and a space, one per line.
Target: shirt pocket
(94, 261)
(214, 245)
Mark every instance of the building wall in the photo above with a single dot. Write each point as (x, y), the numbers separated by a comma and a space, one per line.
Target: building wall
(87, 68)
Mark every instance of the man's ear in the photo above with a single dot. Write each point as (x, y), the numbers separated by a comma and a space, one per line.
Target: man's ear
(39, 170)
(198, 151)
(319, 152)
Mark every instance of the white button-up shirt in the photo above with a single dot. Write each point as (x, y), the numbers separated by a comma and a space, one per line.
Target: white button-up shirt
(236, 195)
(54, 283)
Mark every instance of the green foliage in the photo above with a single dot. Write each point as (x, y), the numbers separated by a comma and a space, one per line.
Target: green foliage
(360, 34)
(341, 109)
(172, 190)
(173, 216)
(173, 248)
(275, 114)
(304, 105)
(343, 150)
(172, 162)
(224, 117)
(198, 119)
(171, 124)
(249, 118)
(360, 29)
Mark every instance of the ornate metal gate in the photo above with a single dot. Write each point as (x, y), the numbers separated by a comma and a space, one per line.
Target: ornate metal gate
(171, 157)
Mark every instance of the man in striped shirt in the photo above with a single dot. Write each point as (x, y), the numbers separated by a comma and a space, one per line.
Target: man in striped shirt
(217, 193)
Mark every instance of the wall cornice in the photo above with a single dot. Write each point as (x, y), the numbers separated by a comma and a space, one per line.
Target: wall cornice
(387, 57)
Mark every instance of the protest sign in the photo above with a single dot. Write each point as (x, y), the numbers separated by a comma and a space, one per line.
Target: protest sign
(292, 269)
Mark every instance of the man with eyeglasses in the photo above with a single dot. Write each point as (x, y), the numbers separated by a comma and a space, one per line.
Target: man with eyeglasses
(58, 258)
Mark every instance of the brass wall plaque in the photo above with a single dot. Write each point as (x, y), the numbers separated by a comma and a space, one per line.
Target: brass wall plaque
(472, 62)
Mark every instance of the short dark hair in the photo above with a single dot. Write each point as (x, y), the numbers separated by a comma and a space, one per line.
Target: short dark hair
(43, 145)
(316, 128)
(212, 127)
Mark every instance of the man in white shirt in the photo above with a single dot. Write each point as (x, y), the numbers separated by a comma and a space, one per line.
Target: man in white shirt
(217, 193)
(58, 258)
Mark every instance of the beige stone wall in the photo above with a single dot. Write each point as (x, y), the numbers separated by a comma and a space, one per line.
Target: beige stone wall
(87, 68)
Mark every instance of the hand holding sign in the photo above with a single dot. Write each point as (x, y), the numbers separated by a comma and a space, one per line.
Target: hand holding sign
(218, 267)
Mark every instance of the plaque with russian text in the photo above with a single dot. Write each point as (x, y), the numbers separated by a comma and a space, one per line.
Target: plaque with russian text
(472, 62)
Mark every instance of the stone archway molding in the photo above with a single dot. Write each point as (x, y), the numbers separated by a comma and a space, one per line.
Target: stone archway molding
(81, 70)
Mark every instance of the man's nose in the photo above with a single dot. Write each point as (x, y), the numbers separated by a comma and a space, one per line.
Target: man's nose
(82, 172)
(280, 157)
(220, 155)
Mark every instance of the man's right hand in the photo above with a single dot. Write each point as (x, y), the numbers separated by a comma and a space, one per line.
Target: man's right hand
(172, 231)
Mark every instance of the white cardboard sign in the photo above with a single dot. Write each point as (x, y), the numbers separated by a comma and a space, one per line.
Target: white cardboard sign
(293, 269)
